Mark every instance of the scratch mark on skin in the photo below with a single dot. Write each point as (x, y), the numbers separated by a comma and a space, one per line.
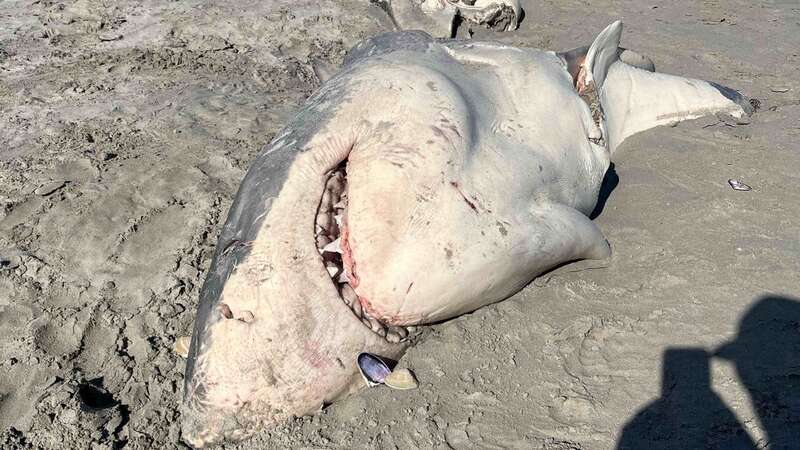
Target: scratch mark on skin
(438, 132)
(478, 202)
(409, 287)
(451, 128)
(471, 205)
(401, 155)
(447, 124)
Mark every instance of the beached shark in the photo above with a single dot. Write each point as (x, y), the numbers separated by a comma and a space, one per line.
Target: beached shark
(424, 180)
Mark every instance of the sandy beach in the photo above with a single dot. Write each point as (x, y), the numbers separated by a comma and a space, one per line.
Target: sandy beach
(126, 127)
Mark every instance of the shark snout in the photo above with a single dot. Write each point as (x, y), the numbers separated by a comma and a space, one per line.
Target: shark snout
(197, 430)
(210, 416)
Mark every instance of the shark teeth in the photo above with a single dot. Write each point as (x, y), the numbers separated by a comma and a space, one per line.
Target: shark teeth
(343, 278)
(330, 221)
(332, 270)
(333, 247)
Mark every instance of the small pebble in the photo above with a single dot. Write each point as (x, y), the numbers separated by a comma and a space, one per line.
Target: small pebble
(68, 417)
(109, 37)
(780, 89)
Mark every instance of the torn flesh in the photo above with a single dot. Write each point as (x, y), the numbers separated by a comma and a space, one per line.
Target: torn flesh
(330, 230)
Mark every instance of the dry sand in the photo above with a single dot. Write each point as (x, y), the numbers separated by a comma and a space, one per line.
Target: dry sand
(127, 126)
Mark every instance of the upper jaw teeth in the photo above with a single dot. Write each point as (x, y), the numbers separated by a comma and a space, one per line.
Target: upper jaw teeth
(343, 277)
(333, 247)
(330, 221)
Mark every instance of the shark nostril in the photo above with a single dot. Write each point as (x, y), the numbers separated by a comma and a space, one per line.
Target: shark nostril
(225, 310)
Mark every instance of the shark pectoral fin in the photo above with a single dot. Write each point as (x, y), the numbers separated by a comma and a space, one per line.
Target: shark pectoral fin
(636, 100)
(572, 238)
(570, 235)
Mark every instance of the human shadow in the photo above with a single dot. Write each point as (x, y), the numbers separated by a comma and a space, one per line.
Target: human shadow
(610, 182)
(690, 415)
(766, 354)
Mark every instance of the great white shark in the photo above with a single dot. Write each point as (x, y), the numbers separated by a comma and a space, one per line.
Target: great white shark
(424, 180)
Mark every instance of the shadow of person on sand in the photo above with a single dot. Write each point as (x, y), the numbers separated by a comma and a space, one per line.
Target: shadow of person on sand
(690, 415)
(766, 354)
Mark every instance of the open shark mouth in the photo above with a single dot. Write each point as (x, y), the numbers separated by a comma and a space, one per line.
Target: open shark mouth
(331, 234)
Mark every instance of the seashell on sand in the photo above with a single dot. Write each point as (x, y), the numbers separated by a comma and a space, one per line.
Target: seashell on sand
(181, 346)
(373, 369)
(401, 379)
(738, 185)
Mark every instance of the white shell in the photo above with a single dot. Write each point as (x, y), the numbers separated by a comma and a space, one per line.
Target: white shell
(181, 346)
(739, 186)
(401, 379)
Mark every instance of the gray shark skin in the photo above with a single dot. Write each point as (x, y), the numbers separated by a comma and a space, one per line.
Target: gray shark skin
(424, 180)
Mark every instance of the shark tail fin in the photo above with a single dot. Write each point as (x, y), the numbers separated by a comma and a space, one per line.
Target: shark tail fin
(636, 100)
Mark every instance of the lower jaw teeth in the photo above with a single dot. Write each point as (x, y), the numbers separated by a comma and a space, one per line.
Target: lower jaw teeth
(332, 270)
(328, 227)
(377, 326)
(349, 296)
